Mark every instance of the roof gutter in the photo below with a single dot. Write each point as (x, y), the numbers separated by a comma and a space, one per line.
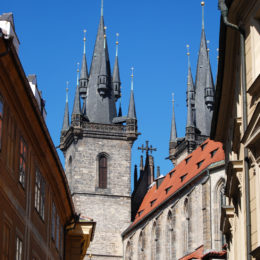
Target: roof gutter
(224, 12)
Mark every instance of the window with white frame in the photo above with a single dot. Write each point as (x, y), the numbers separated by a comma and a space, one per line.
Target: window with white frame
(19, 248)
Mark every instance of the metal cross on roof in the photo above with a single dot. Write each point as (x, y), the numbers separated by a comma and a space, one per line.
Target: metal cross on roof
(147, 148)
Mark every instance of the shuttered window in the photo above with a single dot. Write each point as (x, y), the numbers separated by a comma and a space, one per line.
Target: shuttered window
(102, 172)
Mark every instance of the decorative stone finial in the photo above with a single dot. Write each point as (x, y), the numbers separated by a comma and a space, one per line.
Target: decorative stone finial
(67, 91)
(202, 6)
(132, 81)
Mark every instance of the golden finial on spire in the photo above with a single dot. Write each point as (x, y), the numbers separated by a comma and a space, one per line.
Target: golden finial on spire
(188, 54)
(208, 42)
(132, 76)
(218, 53)
(172, 97)
(67, 91)
(188, 49)
(77, 73)
(84, 39)
(202, 5)
(117, 42)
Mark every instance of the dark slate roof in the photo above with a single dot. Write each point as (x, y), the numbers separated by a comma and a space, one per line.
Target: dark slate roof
(116, 75)
(76, 105)
(131, 108)
(84, 68)
(65, 125)
(100, 109)
(173, 137)
(203, 114)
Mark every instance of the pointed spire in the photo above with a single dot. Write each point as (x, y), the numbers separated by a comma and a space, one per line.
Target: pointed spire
(131, 109)
(116, 75)
(76, 106)
(84, 71)
(173, 136)
(190, 84)
(203, 113)
(202, 12)
(66, 123)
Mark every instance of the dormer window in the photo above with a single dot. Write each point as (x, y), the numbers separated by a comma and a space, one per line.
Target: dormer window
(171, 173)
(199, 163)
(212, 153)
(168, 189)
(203, 146)
(187, 159)
(152, 202)
(183, 177)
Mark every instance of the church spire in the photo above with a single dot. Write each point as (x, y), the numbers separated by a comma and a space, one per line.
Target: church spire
(84, 72)
(131, 109)
(173, 137)
(100, 103)
(116, 75)
(76, 107)
(190, 85)
(66, 123)
(203, 114)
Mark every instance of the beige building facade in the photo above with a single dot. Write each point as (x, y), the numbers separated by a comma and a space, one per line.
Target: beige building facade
(236, 123)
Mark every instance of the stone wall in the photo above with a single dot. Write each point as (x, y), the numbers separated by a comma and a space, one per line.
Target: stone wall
(109, 207)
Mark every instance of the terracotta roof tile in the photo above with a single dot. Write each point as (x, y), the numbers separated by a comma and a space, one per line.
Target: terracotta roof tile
(197, 254)
(198, 161)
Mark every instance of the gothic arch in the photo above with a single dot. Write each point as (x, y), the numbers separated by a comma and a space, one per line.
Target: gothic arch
(219, 201)
(170, 236)
(129, 250)
(141, 246)
(102, 162)
(186, 225)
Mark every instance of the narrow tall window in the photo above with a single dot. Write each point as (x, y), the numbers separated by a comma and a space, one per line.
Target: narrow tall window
(1, 119)
(39, 199)
(57, 232)
(102, 172)
(22, 161)
(19, 249)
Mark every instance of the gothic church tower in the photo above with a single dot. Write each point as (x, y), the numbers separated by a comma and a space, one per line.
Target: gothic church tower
(97, 148)
(200, 102)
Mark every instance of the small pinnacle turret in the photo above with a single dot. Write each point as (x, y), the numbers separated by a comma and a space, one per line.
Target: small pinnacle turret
(120, 108)
(66, 123)
(131, 109)
(84, 72)
(76, 106)
(190, 94)
(173, 137)
(116, 75)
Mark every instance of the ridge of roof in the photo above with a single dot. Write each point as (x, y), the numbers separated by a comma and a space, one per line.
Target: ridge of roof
(190, 168)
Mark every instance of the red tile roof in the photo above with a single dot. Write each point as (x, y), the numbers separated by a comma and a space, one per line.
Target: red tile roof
(217, 255)
(197, 254)
(183, 173)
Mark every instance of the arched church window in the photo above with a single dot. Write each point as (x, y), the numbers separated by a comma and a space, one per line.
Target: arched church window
(169, 237)
(128, 253)
(141, 246)
(186, 226)
(102, 171)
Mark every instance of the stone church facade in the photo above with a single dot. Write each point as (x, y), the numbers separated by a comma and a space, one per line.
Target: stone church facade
(97, 140)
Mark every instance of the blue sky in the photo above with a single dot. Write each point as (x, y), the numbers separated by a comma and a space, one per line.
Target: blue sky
(153, 39)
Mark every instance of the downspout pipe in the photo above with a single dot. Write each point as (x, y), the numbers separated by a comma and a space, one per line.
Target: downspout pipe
(224, 12)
